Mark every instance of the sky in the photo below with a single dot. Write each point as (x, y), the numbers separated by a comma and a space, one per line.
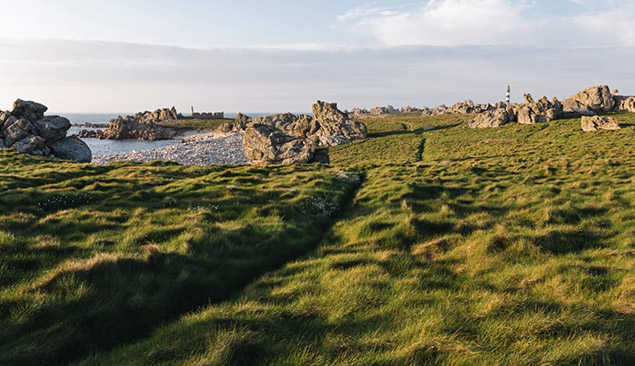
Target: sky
(283, 55)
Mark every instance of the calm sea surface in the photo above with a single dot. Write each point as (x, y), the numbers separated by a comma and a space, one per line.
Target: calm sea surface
(109, 147)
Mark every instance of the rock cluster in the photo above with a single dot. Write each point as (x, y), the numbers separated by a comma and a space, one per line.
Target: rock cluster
(239, 125)
(541, 111)
(28, 131)
(595, 123)
(141, 126)
(585, 103)
(289, 139)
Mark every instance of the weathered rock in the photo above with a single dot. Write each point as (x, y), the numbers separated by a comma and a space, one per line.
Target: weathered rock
(124, 128)
(29, 144)
(541, 111)
(290, 124)
(599, 123)
(624, 104)
(328, 121)
(53, 128)
(289, 139)
(160, 115)
(266, 144)
(29, 110)
(16, 131)
(496, 118)
(379, 111)
(242, 119)
(72, 148)
(597, 98)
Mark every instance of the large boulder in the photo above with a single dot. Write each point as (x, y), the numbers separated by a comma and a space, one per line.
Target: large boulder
(53, 128)
(16, 131)
(328, 121)
(595, 123)
(290, 124)
(495, 118)
(624, 104)
(30, 144)
(160, 115)
(266, 144)
(597, 98)
(29, 110)
(72, 148)
(541, 111)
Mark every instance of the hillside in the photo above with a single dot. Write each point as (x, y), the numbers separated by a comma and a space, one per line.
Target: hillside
(510, 246)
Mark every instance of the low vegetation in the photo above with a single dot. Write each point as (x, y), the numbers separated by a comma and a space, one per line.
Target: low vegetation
(509, 246)
(190, 124)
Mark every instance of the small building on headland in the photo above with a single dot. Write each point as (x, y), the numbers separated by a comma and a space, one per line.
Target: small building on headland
(207, 115)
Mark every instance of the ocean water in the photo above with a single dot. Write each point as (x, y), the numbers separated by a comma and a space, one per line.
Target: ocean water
(109, 147)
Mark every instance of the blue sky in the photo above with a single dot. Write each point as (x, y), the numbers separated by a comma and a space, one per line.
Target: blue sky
(280, 55)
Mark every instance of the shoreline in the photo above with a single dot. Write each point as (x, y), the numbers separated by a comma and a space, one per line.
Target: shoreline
(194, 149)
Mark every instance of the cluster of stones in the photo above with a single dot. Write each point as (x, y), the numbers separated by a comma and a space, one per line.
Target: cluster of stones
(141, 126)
(465, 107)
(292, 139)
(28, 131)
(585, 103)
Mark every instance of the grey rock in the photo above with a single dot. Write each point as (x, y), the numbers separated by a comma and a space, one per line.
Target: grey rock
(495, 118)
(29, 144)
(72, 148)
(266, 144)
(29, 110)
(599, 123)
(541, 111)
(242, 119)
(52, 128)
(625, 104)
(16, 131)
(596, 98)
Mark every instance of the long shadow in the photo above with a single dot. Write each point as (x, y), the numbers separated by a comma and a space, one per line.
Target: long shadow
(126, 298)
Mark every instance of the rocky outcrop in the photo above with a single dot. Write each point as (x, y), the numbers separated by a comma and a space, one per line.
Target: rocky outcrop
(28, 131)
(129, 128)
(160, 115)
(496, 118)
(141, 126)
(265, 144)
(289, 139)
(624, 104)
(597, 99)
(595, 123)
(541, 111)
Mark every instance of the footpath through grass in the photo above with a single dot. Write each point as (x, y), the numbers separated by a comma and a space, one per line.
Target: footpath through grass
(97, 257)
(511, 246)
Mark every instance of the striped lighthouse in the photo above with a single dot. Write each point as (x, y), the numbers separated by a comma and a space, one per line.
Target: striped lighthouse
(508, 97)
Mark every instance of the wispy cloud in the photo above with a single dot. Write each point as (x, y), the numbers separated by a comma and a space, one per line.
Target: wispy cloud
(496, 22)
(89, 76)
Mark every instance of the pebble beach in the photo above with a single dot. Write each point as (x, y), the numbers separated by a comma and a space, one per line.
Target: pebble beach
(203, 149)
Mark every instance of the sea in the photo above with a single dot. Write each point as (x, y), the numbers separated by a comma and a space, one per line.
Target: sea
(109, 147)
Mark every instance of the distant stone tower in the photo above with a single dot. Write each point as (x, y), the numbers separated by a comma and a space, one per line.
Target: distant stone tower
(508, 98)
(192, 111)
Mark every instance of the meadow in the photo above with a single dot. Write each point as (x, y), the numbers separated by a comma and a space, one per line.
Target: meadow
(509, 246)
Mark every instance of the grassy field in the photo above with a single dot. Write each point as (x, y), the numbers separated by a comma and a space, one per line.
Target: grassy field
(510, 246)
(189, 124)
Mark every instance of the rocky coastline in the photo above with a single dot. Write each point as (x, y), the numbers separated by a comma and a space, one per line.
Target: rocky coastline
(27, 130)
(141, 126)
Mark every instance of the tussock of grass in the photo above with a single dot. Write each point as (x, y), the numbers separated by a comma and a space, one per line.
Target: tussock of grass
(510, 246)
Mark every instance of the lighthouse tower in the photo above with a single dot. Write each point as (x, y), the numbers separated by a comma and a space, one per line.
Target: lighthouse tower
(509, 95)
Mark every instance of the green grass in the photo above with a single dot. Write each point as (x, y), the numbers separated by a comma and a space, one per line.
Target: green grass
(510, 246)
(95, 257)
(189, 124)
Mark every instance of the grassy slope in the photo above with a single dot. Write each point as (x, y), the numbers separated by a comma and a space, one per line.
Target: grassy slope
(510, 246)
(96, 257)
